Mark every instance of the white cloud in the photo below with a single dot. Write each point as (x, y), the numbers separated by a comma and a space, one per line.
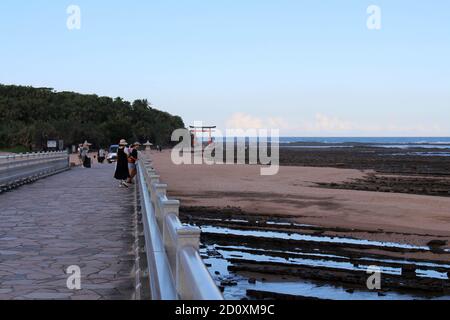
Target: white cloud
(277, 123)
(329, 125)
(246, 121)
(326, 123)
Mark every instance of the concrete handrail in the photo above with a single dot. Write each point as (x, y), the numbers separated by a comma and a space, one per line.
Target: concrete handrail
(176, 269)
(25, 159)
(17, 168)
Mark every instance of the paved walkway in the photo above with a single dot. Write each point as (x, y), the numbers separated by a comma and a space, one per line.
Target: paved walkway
(80, 217)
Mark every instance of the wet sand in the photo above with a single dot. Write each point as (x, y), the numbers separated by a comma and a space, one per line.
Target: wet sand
(295, 193)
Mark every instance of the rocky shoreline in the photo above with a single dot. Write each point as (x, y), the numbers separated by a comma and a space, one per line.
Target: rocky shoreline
(415, 171)
(261, 247)
(381, 160)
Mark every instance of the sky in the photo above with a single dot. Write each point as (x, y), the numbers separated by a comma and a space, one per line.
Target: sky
(306, 67)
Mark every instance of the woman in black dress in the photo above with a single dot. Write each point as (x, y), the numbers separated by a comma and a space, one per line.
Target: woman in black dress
(122, 172)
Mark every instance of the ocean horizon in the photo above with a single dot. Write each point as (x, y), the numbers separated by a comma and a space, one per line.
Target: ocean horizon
(435, 141)
(370, 140)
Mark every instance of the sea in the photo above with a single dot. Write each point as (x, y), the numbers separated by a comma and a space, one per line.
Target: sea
(440, 145)
(436, 143)
(439, 141)
(416, 142)
(394, 142)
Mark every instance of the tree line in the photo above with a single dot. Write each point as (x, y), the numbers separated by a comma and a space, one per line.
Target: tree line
(31, 116)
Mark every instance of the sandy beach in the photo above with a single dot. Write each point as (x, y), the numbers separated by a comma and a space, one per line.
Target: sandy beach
(317, 223)
(294, 193)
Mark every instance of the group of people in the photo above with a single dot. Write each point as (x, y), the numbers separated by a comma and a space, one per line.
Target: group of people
(83, 154)
(127, 157)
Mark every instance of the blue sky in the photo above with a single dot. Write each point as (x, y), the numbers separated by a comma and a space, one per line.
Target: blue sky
(310, 68)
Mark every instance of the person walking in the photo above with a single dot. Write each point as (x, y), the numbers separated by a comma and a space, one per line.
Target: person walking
(80, 153)
(86, 161)
(122, 173)
(132, 159)
(101, 155)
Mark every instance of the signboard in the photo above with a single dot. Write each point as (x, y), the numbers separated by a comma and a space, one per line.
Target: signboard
(52, 144)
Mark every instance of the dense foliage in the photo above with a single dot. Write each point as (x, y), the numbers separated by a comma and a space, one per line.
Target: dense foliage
(31, 116)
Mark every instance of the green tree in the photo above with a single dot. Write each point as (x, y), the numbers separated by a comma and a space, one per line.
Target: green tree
(29, 116)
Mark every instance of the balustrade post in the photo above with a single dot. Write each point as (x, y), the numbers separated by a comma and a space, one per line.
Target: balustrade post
(159, 192)
(154, 178)
(168, 207)
(146, 161)
(168, 222)
(154, 194)
(187, 236)
(151, 180)
(151, 171)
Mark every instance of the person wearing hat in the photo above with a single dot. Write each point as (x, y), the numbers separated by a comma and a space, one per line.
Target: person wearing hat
(85, 160)
(132, 159)
(122, 172)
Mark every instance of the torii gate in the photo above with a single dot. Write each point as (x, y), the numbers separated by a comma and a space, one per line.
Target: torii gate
(195, 130)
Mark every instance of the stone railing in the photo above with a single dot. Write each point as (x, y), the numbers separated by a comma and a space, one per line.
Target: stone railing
(175, 268)
(19, 169)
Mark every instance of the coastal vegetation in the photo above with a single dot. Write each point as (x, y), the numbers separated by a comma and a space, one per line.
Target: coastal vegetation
(31, 116)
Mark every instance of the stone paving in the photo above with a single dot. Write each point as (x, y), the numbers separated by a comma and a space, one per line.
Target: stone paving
(77, 218)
